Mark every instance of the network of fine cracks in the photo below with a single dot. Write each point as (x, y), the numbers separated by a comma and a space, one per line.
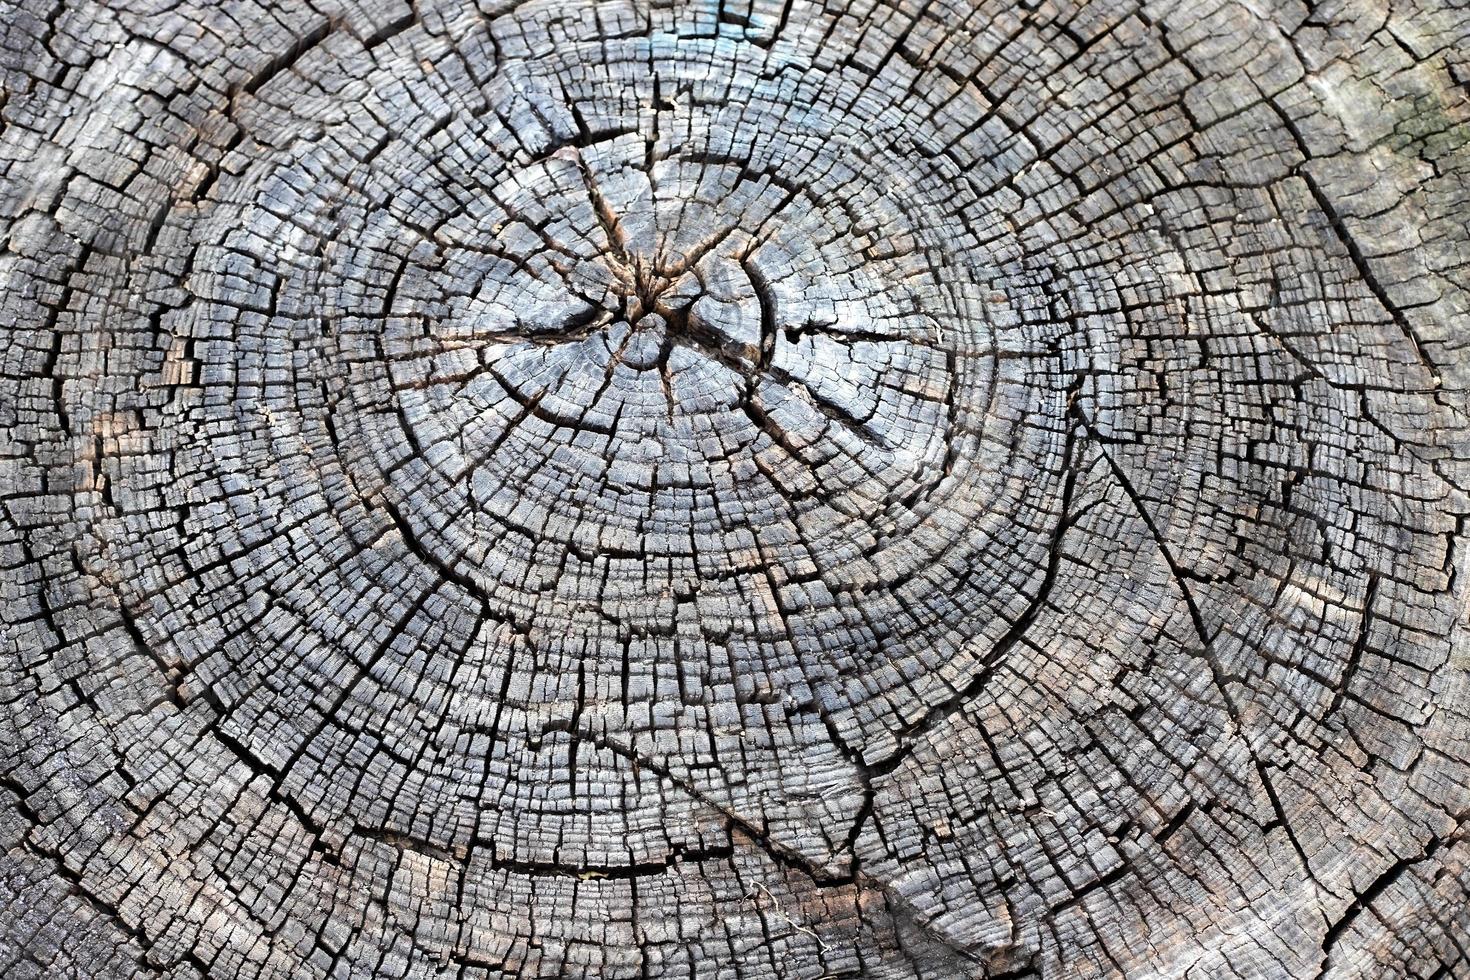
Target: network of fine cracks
(741, 489)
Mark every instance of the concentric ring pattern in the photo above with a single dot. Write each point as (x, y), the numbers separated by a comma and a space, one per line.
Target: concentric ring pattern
(621, 489)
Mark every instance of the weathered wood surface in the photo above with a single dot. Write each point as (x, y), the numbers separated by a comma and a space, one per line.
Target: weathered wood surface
(556, 489)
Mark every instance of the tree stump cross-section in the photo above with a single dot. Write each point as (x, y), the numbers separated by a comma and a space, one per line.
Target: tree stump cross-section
(734, 488)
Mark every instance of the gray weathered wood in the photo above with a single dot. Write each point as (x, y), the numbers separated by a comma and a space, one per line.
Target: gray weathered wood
(712, 489)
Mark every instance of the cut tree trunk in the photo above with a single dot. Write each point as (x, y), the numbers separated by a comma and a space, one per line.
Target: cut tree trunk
(721, 489)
